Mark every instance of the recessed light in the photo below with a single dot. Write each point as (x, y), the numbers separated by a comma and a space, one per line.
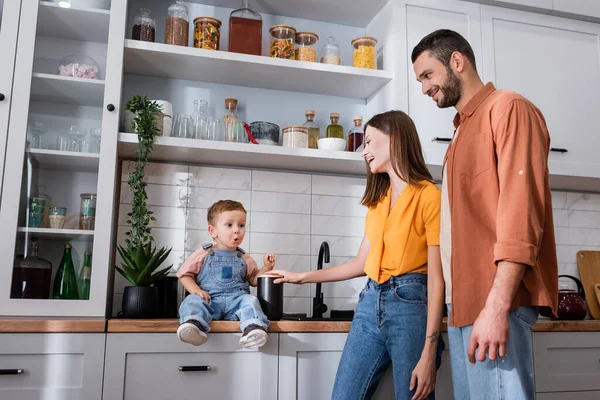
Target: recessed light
(65, 3)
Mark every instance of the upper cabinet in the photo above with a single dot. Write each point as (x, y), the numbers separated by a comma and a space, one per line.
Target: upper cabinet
(578, 8)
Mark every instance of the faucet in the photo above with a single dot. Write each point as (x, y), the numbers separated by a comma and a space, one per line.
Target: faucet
(318, 306)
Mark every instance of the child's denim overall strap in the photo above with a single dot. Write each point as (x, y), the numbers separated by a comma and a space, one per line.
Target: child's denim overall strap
(223, 272)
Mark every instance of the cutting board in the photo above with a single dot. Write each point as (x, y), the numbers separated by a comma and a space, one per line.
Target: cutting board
(589, 271)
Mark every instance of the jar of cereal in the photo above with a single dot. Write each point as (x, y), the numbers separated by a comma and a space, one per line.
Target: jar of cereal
(207, 33)
(305, 50)
(295, 136)
(282, 41)
(364, 55)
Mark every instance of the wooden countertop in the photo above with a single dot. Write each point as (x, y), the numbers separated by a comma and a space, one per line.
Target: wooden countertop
(52, 325)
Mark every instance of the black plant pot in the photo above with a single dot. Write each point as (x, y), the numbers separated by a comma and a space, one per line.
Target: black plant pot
(140, 302)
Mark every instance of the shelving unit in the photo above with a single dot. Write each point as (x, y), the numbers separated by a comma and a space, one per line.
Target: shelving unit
(57, 234)
(89, 25)
(67, 90)
(65, 160)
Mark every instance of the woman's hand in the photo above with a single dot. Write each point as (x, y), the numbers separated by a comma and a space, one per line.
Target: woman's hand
(423, 378)
(287, 276)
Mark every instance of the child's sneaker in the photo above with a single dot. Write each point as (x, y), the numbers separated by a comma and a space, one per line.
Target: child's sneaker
(191, 332)
(254, 336)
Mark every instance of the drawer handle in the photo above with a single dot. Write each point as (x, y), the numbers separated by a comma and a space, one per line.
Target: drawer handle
(17, 371)
(441, 139)
(194, 368)
(558, 150)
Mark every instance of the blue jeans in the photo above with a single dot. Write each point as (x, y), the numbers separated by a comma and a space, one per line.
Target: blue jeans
(507, 378)
(231, 307)
(389, 326)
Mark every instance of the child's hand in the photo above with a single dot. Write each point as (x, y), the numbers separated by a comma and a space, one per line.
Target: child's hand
(204, 295)
(269, 262)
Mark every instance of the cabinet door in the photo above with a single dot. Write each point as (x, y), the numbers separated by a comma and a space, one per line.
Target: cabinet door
(588, 8)
(147, 366)
(51, 366)
(555, 63)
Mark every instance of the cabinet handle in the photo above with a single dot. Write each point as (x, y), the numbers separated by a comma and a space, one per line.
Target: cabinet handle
(110, 107)
(17, 371)
(558, 150)
(2, 97)
(193, 368)
(441, 139)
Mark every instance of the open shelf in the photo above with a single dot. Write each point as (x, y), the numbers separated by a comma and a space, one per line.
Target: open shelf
(65, 160)
(57, 234)
(89, 25)
(195, 151)
(189, 63)
(67, 90)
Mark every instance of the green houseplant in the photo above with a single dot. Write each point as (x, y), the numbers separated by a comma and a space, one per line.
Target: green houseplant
(141, 261)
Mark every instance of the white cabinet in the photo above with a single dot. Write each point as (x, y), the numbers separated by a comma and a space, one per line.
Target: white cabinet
(51, 366)
(516, 57)
(577, 8)
(149, 366)
(541, 6)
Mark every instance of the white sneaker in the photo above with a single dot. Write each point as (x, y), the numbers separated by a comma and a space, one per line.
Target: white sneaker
(188, 332)
(253, 337)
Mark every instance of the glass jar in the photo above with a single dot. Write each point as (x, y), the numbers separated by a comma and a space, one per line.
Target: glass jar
(295, 136)
(331, 52)
(313, 129)
(177, 26)
(282, 41)
(207, 33)
(57, 217)
(245, 31)
(144, 27)
(364, 55)
(356, 135)
(31, 275)
(305, 50)
(234, 129)
(335, 130)
(79, 66)
(199, 117)
(40, 192)
(87, 211)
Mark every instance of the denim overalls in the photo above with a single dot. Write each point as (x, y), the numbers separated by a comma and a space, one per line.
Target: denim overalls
(223, 277)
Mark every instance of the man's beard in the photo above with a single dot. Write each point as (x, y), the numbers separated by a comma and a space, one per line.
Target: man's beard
(452, 91)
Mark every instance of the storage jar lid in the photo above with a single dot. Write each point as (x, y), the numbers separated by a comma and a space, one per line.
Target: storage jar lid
(212, 20)
(282, 30)
(294, 128)
(231, 101)
(306, 38)
(364, 41)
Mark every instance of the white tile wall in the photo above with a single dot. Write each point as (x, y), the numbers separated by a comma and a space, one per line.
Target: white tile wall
(290, 215)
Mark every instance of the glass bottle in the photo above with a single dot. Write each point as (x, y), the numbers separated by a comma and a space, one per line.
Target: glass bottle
(177, 26)
(199, 117)
(31, 275)
(40, 192)
(331, 52)
(85, 276)
(356, 135)
(313, 129)
(144, 27)
(245, 31)
(233, 128)
(335, 130)
(65, 280)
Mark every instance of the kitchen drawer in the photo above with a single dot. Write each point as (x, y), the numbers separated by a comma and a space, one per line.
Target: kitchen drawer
(54, 366)
(568, 395)
(147, 366)
(566, 362)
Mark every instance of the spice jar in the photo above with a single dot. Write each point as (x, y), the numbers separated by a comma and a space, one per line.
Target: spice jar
(331, 52)
(282, 41)
(305, 51)
(207, 33)
(364, 55)
(295, 136)
(144, 27)
(177, 26)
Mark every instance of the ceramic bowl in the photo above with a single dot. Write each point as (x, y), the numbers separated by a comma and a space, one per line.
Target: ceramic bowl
(332, 144)
(265, 132)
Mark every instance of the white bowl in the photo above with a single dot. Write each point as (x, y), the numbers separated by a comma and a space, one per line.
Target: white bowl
(332, 144)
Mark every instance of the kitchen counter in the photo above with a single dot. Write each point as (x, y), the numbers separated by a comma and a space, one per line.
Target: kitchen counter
(52, 325)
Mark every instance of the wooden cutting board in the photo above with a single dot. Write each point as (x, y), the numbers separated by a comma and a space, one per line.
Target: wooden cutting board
(589, 271)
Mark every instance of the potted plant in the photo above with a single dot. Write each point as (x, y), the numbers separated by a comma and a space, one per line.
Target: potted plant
(141, 261)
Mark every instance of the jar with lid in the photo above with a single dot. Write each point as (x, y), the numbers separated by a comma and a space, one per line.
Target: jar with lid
(177, 26)
(331, 52)
(87, 211)
(295, 136)
(144, 27)
(282, 41)
(245, 31)
(31, 275)
(234, 129)
(313, 129)
(207, 33)
(305, 50)
(364, 54)
(356, 134)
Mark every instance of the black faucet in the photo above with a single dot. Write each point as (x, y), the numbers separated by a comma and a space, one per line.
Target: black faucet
(318, 306)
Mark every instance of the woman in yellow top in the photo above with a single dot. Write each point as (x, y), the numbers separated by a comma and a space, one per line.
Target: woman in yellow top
(399, 312)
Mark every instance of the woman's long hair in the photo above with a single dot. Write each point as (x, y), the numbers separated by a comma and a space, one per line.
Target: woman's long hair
(406, 155)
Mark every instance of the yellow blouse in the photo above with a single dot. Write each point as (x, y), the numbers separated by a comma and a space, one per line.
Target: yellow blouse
(399, 238)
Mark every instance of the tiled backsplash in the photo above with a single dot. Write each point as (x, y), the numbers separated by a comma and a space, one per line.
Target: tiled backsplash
(290, 215)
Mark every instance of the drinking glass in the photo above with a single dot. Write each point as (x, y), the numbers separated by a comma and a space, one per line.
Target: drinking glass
(184, 126)
(213, 129)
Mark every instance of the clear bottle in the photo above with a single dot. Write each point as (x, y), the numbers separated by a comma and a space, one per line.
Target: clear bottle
(356, 135)
(177, 27)
(331, 52)
(245, 31)
(85, 276)
(40, 191)
(199, 117)
(313, 129)
(31, 275)
(233, 128)
(65, 280)
(144, 26)
(335, 130)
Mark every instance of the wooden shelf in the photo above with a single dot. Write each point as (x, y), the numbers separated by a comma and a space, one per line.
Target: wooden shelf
(65, 160)
(67, 90)
(189, 63)
(195, 151)
(58, 234)
(88, 25)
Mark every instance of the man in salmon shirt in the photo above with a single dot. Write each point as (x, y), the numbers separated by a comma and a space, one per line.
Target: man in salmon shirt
(497, 234)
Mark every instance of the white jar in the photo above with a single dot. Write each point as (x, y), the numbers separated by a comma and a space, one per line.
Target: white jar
(295, 136)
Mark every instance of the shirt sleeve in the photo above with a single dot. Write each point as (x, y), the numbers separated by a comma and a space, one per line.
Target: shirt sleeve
(431, 210)
(522, 145)
(251, 266)
(192, 265)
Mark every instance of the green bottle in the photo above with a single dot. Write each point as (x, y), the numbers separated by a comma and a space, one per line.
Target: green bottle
(65, 280)
(335, 130)
(85, 276)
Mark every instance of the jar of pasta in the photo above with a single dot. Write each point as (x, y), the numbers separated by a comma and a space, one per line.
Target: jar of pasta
(305, 50)
(282, 41)
(295, 136)
(207, 33)
(364, 55)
